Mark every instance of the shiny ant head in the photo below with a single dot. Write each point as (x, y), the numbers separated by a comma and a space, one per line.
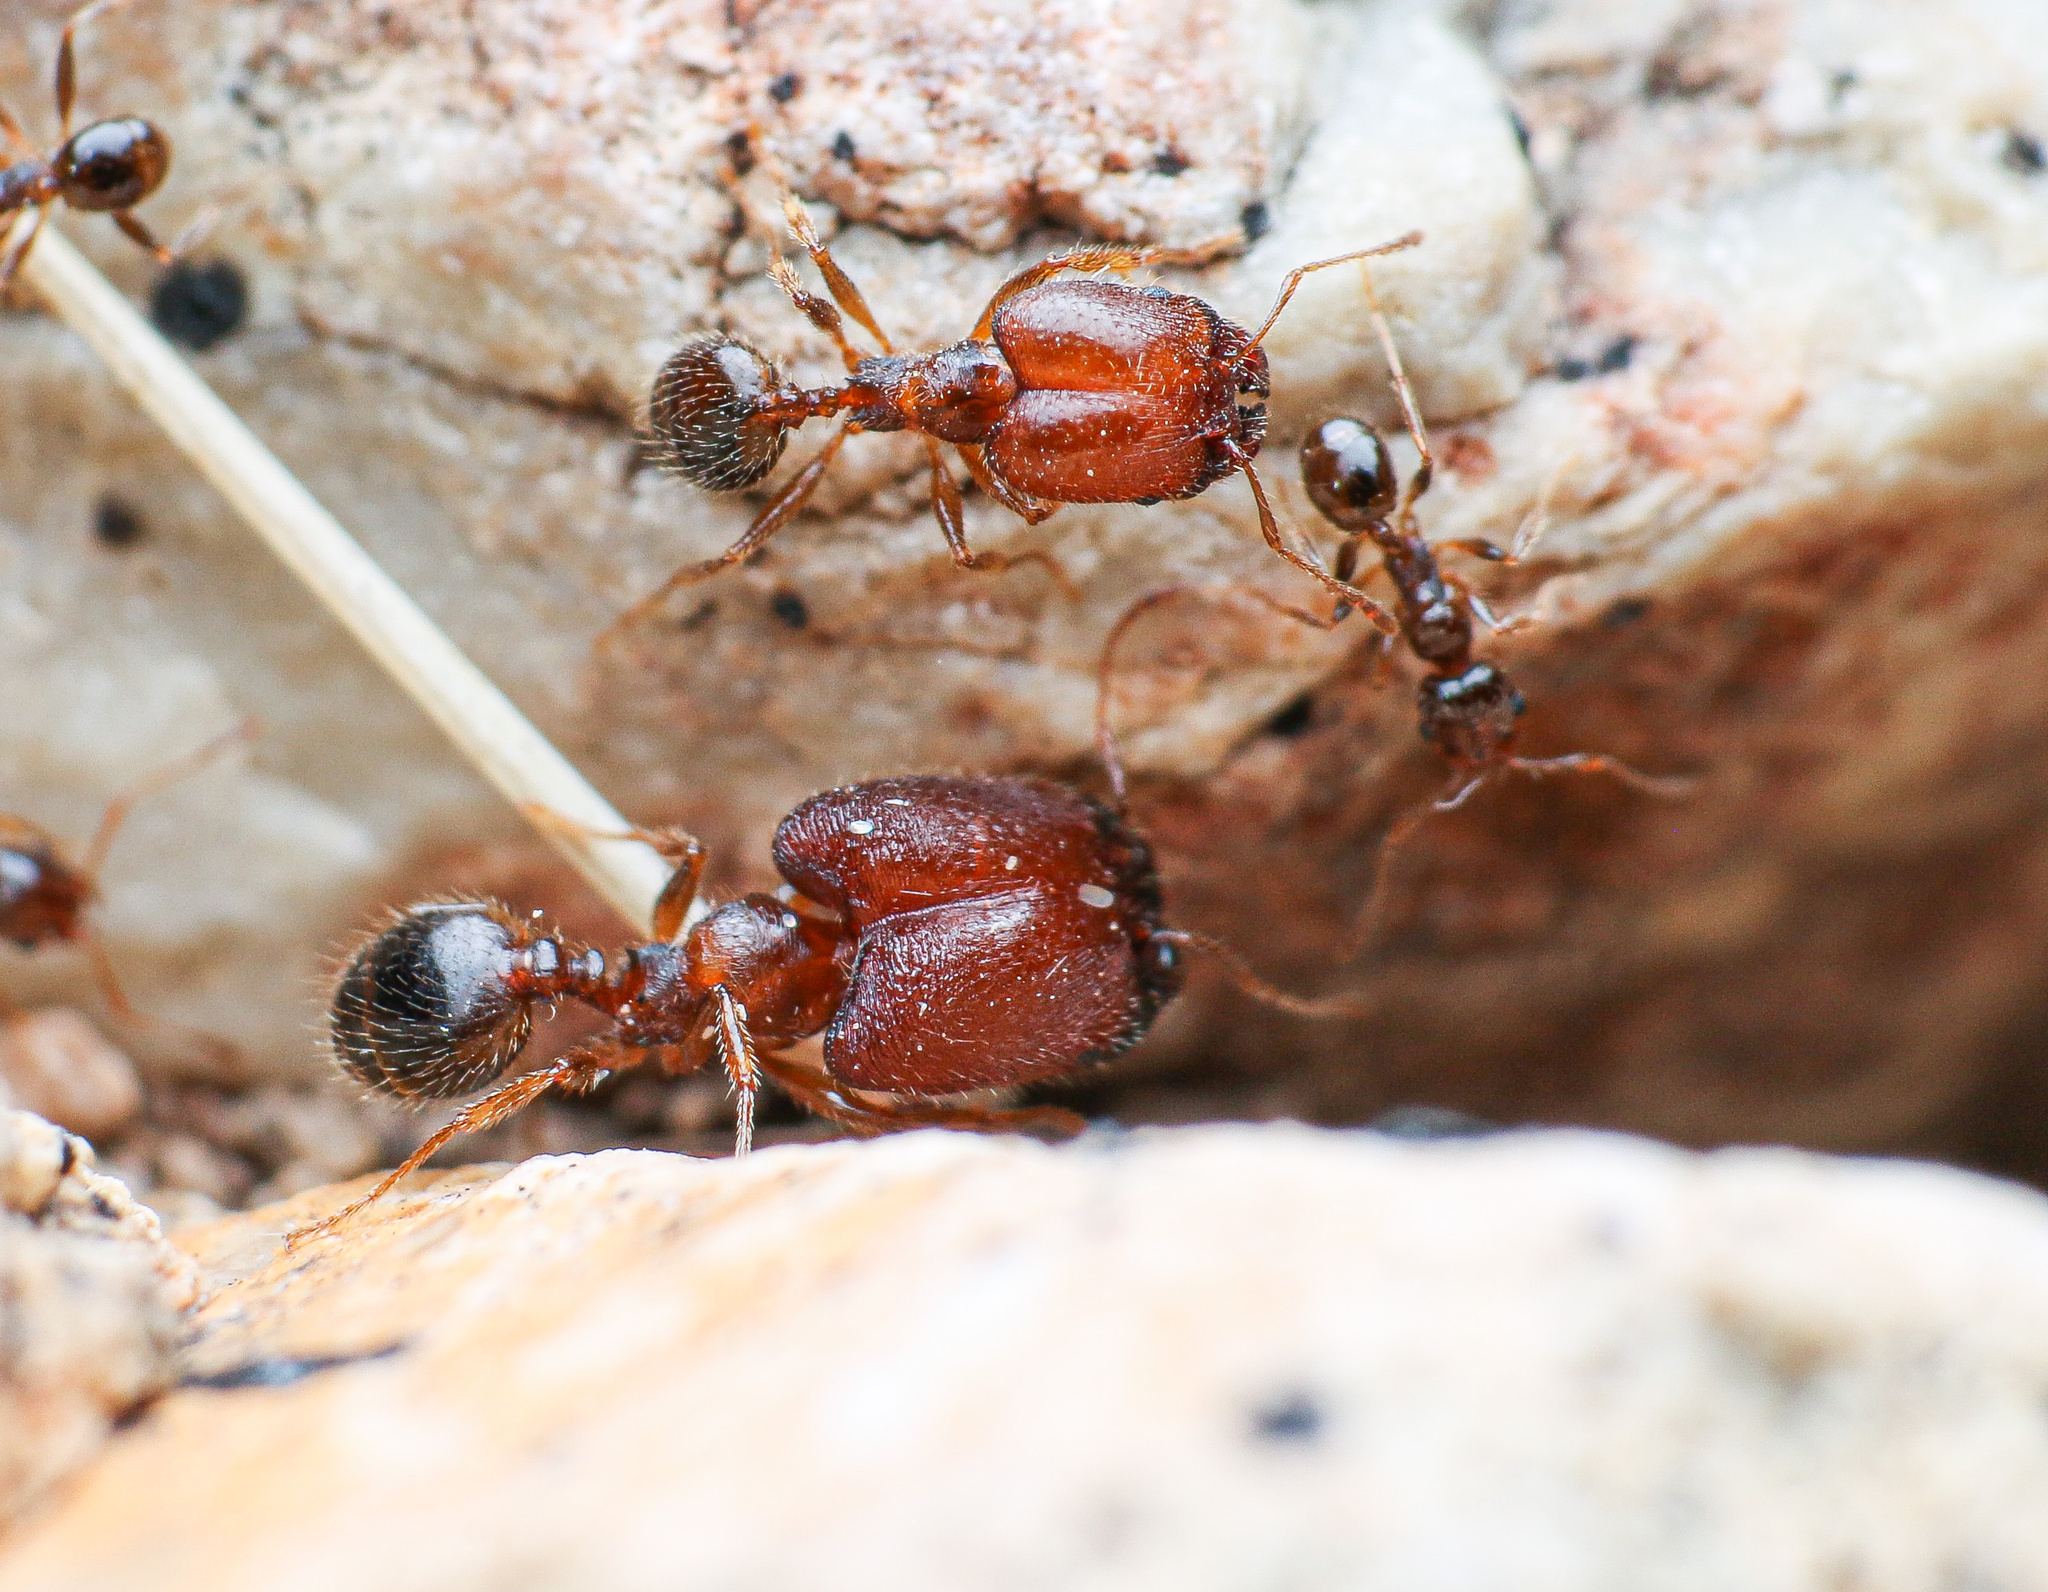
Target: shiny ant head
(42, 897)
(112, 165)
(436, 1005)
(706, 414)
(1471, 715)
(1344, 466)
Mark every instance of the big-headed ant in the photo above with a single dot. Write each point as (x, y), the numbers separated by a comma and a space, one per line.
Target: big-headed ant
(944, 934)
(107, 168)
(45, 895)
(1468, 708)
(1066, 391)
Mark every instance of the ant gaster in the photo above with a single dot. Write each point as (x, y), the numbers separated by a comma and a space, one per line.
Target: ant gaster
(943, 933)
(106, 168)
(1468, 707)
(45, 895)
(1066, 391)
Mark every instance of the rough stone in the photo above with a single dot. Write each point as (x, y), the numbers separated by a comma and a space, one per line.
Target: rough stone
(90, 1302)
(1207, 1358)
(1759, 318)
(57, 1065)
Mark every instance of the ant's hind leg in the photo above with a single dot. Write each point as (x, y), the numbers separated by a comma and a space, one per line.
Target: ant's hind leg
(143, 238)
(581, 1070)
(1029, 510)
(1673, 787)
(680, 849)
(11, 130)
(951, 515)
(815, 310)
(817, 1092)
(780, 510)
(838, 283)
(17, 251)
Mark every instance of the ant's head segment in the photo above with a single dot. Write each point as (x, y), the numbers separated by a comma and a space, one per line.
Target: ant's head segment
(709, 414)
(439, 1003)
(1472, 714)
(112, 165)
(1344, 466)
(42, 897)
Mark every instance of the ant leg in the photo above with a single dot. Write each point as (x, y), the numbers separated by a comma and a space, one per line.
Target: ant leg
(1293, 277)
(217, 1050)
(1671, 786)
(742, 1065)
(1240, 973)
(1342, 590)
(837, 282)
(1105, 667)
(1029, 510)
(780, 510)
(1366, 931)
(817, 1092)
(1425, 468)
(581, 1070)
(24, 240)
(817, 311)
(11, 130)
(677, 847)
(950, 513)
(1117, 257)
(67, 66)
(155, 783)
(143, 237)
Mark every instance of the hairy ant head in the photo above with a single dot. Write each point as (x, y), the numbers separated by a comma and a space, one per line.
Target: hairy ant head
(1472, 714)
(1344, 466)
(112, 165)
(707, 414)
(438, 1004)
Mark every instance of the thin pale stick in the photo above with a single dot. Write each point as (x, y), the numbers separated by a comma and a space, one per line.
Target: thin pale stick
(471, 711)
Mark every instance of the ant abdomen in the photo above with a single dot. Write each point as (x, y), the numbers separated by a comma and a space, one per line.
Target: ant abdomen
(432, 1007)
(707, 414)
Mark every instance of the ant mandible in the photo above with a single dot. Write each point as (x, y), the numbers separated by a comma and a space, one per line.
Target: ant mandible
(1065, 392)
(944, 934)
(106, 168)
(45, 896)
(1468, 707)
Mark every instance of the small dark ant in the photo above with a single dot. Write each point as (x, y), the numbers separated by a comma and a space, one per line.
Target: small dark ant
(1468, 707)
(107, 168)
(943, 933)
(1065, 392)
(44, 895)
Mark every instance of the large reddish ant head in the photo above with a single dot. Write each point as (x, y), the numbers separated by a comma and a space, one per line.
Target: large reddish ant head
(709, 414)
(438, 1004)
(112, 165)
(42, 897)
(1344, 466)
(1470, 715)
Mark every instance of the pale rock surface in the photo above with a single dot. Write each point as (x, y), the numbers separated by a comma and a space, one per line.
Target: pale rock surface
(1762, 318)
(1209, 1358)
(56, 1064)
(90, 1304)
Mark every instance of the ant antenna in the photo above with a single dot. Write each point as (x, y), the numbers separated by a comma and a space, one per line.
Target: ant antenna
(155, 783)
(1293, 278)
(1240, 973)
(1425, 468)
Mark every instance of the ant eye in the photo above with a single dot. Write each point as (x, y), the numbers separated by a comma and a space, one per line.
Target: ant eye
(706, 414)
(427, 1009)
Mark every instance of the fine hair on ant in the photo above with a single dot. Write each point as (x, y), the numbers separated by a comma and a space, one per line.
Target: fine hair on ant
(1468, 708)
(1065, 391)
(105, 168)
(45, 896)
(944, 934)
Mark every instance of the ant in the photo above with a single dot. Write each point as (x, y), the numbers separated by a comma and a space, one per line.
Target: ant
(44, 895)
(106, 168)
(1065, 392)
(1468, 707)
(944, 934)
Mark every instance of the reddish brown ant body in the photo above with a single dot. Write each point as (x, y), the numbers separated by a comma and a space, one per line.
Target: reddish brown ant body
(943, 933)
(107, 168)
(45, 896)
(1066, 391)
